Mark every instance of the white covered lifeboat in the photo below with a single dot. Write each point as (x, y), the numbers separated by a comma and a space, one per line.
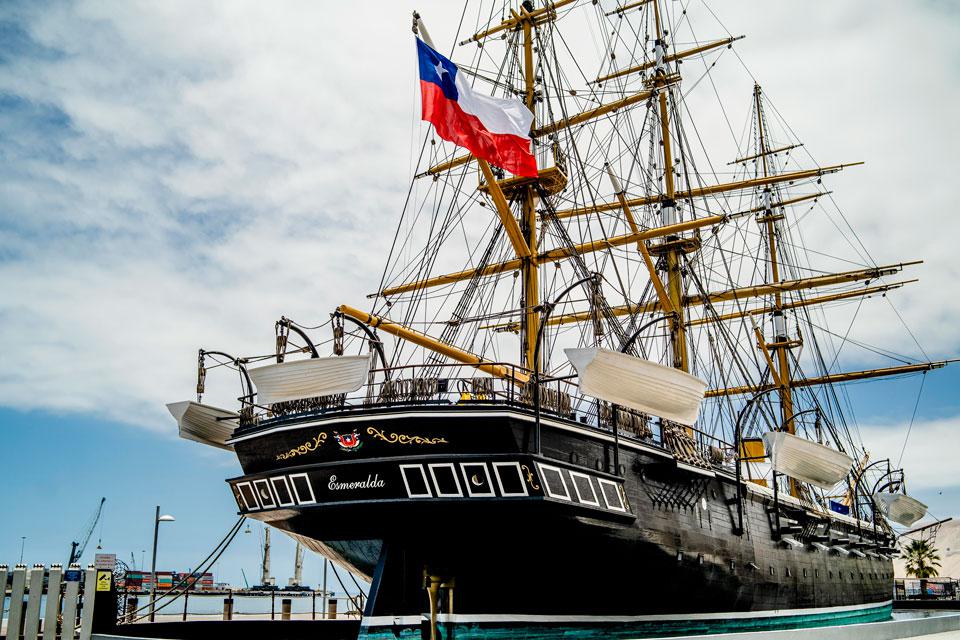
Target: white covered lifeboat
(900, 507)
(806, 460)
(299, 379)
(203, 423)
(639, 384)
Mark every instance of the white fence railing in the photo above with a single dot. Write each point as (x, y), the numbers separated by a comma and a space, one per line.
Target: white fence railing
(47, 603)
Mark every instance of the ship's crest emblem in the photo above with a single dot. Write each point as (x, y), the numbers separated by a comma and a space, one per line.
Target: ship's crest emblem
(348, 441)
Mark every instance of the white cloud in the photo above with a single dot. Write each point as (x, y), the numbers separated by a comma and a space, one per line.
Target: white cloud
(226, 163)
(930, 456)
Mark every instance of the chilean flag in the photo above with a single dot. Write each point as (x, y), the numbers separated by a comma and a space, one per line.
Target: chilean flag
(493, 129)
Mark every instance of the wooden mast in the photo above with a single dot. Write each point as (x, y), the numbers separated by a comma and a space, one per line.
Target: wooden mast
(531, 269)
(781, 343)
(672, 247)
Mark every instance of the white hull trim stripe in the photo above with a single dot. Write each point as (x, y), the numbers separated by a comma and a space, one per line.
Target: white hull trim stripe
(377, 621)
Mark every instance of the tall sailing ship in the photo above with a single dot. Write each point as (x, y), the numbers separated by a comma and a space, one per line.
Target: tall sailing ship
(601, 398)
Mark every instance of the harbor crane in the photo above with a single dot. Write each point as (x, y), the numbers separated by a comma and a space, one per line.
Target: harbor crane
(77, 548)
(296, 582)
(266, 581)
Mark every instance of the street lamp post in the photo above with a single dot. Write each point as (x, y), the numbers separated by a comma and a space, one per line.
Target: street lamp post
(153, 570)
(23, 541)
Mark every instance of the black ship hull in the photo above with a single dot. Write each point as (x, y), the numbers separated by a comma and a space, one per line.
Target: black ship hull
(458, 521)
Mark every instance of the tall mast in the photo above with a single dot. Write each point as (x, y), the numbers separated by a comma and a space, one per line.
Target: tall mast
(672, 248)
(781, 343)
(531, 270)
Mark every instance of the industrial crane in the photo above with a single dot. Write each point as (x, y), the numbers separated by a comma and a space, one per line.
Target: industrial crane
(77, 548)
(296, 582)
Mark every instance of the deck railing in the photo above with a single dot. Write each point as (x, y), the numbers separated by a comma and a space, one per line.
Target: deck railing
(425, 385)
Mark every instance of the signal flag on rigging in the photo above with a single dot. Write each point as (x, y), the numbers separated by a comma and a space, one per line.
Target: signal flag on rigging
(493, 129)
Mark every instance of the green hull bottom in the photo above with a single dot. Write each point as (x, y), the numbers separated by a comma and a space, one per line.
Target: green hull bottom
(639, 628)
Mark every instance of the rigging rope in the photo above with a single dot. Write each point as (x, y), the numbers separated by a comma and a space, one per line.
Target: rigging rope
(916, 405)
(203, 567)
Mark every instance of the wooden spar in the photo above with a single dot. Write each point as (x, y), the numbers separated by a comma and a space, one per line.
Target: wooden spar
(564, 123)
(503, 210)
(801, 283)
(449, 164)
(762, 345)
(647, 308)
(770, 152)
(783, 203)
(555, 255)
(742, 293)
(706, 191)
(552, 127)
(627, 7)
(670, 58)
(428, 342)
(662, 295)
(800, 303)
(537, 16)
(834, 378)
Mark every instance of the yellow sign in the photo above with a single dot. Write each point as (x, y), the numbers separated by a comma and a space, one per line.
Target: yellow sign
(104, 578)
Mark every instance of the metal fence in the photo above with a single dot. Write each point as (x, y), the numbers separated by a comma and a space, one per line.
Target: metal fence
(926, 589)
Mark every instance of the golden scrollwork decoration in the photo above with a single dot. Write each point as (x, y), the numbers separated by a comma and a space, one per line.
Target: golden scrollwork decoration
(533, 484)
(402, 438)
(306, 447)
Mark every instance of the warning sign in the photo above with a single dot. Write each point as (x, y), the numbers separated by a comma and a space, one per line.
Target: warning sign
(105, 561)
(104, 578)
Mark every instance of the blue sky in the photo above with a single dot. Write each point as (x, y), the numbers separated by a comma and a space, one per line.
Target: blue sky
(181, 174)
(62, 465)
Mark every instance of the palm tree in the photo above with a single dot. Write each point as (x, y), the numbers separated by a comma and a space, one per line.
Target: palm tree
(922, 560)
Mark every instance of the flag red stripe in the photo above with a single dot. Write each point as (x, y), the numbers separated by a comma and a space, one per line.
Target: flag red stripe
(453, 124)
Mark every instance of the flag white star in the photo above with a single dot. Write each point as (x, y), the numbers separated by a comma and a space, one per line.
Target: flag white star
(441, 70)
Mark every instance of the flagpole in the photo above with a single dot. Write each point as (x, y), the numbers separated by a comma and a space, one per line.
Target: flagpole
(420, 29)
